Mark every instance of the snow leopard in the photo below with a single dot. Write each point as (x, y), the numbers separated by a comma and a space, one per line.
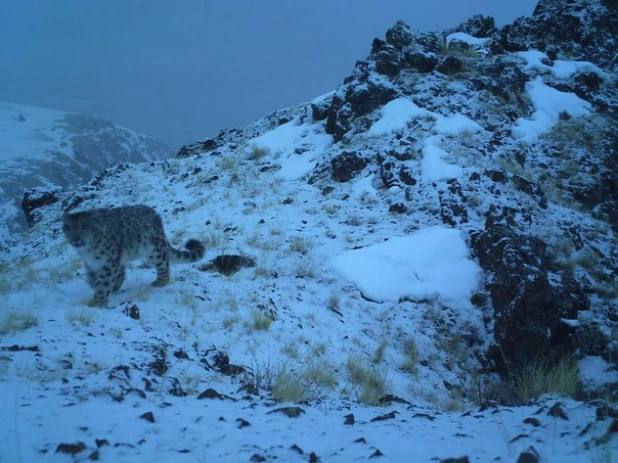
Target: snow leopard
(107, 239)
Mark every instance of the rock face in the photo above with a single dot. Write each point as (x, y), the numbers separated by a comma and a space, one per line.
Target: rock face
(533, 300)
(542, 228)
(44, 147)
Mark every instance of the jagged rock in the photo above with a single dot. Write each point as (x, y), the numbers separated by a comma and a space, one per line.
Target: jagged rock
(386, 416)
(211, 393)
(532, 421)
(101, 443)
(199, 147)
(37, 198)
(529, 456)
(346, 166)
(450, 65)
(242, 423)
(463, 459)
(557, 411)
(477, 26)
(226, 137)
(216, 360)
(387, 58)
(453, 208)
(429, 42)
(421, 61)
(131, 310)
(530, 297)
(532, 190)
(71, 449)
(148, 416)
(399, 35)
(588, 35)
(228, 264)
(398, 208)
(320, 110)
(357, 97)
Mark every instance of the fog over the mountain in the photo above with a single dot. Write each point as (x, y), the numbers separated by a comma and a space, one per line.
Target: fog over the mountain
(181, 71)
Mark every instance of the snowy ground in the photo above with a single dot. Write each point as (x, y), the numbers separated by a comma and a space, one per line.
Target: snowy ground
(339, 290)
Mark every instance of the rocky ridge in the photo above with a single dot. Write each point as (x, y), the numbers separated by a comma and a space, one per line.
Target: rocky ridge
(541, 215)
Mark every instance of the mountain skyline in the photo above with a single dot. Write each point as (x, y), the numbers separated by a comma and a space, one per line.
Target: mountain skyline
(181, 72)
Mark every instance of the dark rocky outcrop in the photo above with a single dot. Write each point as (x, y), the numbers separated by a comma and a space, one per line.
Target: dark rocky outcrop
(346, 166)
(585, 31)
(36, 198)
(531, 292)
(531, 298)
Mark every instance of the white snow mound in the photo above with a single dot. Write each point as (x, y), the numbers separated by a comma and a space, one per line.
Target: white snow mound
(433, 263)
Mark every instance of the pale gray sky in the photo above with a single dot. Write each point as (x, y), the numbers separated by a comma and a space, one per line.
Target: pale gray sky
(182, 70)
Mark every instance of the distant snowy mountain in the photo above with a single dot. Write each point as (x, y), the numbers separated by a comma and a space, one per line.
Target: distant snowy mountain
(44, 147)
(418, 266)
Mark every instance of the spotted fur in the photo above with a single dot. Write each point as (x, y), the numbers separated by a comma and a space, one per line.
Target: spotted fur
(107, 239)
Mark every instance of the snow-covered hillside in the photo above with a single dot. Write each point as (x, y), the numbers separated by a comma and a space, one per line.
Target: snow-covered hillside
(45, 147)
(410, 268)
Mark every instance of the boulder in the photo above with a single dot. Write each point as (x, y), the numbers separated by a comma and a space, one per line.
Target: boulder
(37, 198)
(531, 298)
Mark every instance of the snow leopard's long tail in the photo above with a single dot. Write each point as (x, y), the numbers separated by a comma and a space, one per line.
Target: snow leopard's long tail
(194, 251)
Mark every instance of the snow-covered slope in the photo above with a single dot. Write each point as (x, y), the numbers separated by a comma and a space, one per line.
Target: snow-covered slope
(44, 147)
(413, 264)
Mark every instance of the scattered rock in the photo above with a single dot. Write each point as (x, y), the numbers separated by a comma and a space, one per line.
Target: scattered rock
(313, 458)
(159, 365)
(228, 264)
(557, 411)
(216, 360)
(148, 416)
(297, 449)
(387, 416)
(101, 443)
(376, 454)
(210, 393)
(290, 412)
(349, 419)
(346, 166)
(397, 208)
(181, 354)
(16, 348)
(533, 421)
(529, 456)
(242, 423)
(71, 449)
(131, 310)
(257, 458)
